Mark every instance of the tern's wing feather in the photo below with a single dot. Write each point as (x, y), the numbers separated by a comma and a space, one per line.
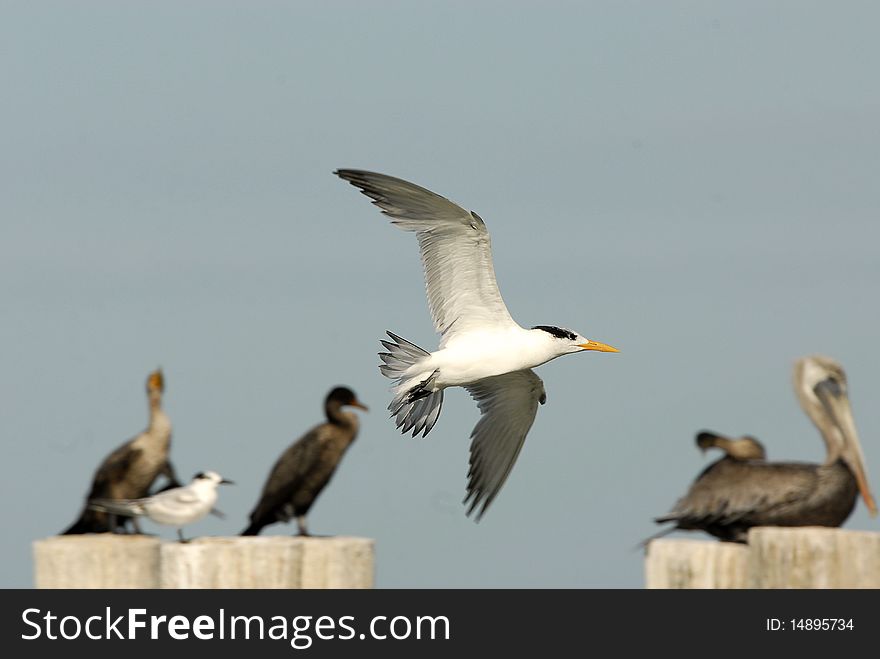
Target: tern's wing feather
(455, 247)
(508, 404)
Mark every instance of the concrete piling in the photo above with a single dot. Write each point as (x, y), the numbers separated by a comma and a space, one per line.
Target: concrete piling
(696, 564)
(813, 557)
(101, 560)
(775, 557)
(133, 561)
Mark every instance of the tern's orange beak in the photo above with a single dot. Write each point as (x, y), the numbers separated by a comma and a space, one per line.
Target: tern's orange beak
(595, 345)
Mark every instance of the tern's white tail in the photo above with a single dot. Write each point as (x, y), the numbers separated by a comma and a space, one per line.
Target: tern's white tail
(414, 407)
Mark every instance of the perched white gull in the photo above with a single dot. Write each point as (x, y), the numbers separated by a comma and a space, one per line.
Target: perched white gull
(178, 506)
(481, 348)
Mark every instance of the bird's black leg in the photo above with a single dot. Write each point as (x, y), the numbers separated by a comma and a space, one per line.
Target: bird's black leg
(168, 472)
(180, 535)
(301, 524)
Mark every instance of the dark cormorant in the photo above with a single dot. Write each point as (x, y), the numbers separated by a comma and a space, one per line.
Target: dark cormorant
(305, 468)
(130, 470)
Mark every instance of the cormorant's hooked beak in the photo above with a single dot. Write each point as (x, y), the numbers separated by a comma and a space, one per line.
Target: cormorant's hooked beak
(595, 345)
(360, 405)
(837, 404)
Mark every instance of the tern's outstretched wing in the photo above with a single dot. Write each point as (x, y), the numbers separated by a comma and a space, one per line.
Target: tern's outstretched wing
(455, 248)
(508, 403)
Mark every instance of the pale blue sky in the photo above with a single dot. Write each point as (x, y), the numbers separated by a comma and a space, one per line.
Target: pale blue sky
(692, 182)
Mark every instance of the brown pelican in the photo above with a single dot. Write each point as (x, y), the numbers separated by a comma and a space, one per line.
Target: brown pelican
(733, 495)
(482, 348)
(735, 451)
(305, 468)
(130, 470)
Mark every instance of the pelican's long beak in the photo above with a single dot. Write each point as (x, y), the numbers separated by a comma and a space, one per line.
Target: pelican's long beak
(851, 451)
(595, 345)
(707, 440)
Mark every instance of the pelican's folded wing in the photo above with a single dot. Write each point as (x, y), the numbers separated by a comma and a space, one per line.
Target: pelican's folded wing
(745, 492)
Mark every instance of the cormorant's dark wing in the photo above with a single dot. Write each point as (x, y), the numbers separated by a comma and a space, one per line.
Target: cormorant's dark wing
(287, 475)
(113, 469)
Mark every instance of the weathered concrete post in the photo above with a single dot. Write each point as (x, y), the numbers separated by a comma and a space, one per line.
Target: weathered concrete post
(340, 562)
(674, 563)
(813, 557)
(268, 562)
(131, 561)
(103, 560)
(775, 557)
